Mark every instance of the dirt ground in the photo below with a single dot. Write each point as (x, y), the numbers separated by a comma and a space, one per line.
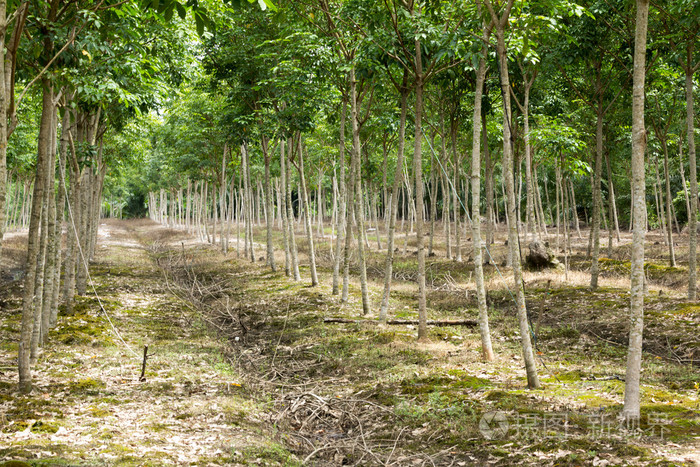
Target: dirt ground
(242, 369)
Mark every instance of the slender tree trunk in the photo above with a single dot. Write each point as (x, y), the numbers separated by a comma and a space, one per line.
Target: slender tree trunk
(215, 211)
(488, 185)
(223, 191)
(42, 266)
(85, 189)
(290, 214)
(595, 227)
(557, 192)
(53, 237)
(394, 207)
(268, 206)
(446, 220)
(513, 243)
(669, 213)
(248, 189)
(681, 168)
(634, 353)
(455, 183)
(283, 213)
(4, 104)
(693, 214)
(486, 347)
(538, 202)
(348, 237)
(307, 214)
(357, 180)
(33, 242)
(60, 208)
(341, 216)
(418, 175)
(574, 209)
(433, 203)
(525, 109)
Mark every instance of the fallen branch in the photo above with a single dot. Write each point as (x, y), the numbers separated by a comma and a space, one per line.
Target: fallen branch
(431, 322)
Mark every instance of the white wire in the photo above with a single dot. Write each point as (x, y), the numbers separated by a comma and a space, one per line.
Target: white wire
(87, 270)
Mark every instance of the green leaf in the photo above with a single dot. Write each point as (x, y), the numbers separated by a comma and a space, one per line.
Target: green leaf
(180, 10)
(199, 23)
(169, 12)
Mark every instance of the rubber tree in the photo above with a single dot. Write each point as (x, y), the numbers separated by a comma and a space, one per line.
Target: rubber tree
(500, 19)
(634, 352)
(486, 347)
(681, 20)
(12, 22)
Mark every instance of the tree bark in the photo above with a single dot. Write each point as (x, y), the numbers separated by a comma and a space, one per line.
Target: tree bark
(307, 214)
(290, 214)
(268, 206)
(488, 183)
(394, 207)
(486, 347)
(418, 175)
(595, 227)
(283, 216)
(693, 214)
(33, 240)
(634, 353)
(341, 215)
(357, 180)
(513, 241)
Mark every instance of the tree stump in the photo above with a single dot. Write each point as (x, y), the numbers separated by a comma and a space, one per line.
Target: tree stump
(541, 256)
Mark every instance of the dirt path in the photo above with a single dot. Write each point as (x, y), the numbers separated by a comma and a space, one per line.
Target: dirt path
(88, 407)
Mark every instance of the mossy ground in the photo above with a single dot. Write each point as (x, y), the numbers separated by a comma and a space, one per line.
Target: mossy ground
(280, 386)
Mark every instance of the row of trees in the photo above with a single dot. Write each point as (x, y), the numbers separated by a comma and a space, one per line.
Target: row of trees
(368, 78)
(74, 75)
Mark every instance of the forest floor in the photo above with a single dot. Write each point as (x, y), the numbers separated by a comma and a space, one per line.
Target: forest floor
(243, 370)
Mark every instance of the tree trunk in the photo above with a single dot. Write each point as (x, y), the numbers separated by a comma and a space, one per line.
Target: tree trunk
(357, 180)
(283, 213)
(513, 241)
(290, 213)
(248, 188)
(634, 353)
(268, 206)
(33, 241)
(681, 168)
(486, 347)
(455, 183)
(693, 214)
(307, 214)
(60, 208)
(341, 215)
(488, 185)
(394, 207)
(418, 175)
(598, 170)
(557, 201)
(52, 261)
(433, 203)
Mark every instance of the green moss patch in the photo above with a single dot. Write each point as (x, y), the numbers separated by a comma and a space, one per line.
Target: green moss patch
(86, 386)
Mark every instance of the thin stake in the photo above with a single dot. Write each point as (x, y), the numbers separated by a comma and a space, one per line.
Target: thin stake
(143, 365)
